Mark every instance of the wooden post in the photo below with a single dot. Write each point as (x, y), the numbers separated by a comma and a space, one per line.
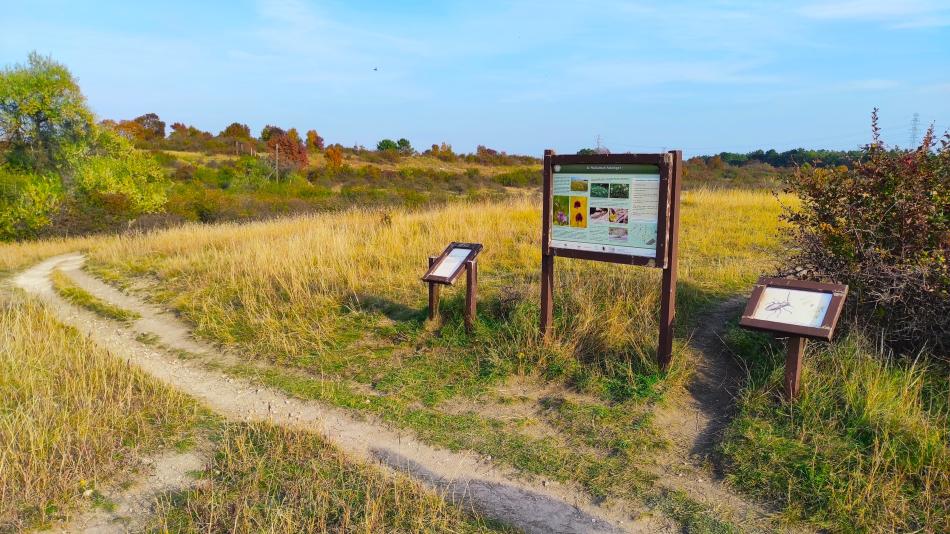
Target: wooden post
(547, 260)
(793, 366)
(664, 353)
(471, 288)
(433, 294)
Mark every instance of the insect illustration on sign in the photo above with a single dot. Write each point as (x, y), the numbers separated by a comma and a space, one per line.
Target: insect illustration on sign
(777, 307)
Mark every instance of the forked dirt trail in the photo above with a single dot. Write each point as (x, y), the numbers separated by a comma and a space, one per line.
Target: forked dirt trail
(501, 494)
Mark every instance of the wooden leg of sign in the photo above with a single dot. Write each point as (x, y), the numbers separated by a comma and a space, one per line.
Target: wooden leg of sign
(793, 366)
(547, 295)
(433, 294)
(664, 351)
(471, 289)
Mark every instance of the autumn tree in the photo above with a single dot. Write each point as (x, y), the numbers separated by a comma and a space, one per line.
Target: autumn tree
(185, 137)
(334, 155)
(288, 149)
(268, 131)
(444, 152)
(153, 127)
(314, 141)
(131, 130)
(236, 130)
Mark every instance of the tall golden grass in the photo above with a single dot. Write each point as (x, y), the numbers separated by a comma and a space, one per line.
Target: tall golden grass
(280, 288)
(71, 415)
(19, 255)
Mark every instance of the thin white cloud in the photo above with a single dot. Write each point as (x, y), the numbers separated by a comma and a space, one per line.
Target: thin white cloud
(873, 84)
(892, 13)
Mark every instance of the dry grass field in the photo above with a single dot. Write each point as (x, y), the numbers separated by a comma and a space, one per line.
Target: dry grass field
(75, 418)
(71, 415)
(330, 307)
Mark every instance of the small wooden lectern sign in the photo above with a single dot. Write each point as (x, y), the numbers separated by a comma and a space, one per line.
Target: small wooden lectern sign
(445, 269)
(798, 308)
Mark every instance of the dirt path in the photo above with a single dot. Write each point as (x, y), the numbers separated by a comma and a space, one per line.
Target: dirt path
(694, 422)
(499, 493)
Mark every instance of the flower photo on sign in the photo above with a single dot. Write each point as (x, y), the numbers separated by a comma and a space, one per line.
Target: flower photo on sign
(579, 212)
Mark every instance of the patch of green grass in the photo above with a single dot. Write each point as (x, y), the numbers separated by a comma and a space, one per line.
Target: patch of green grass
(102, 502)
(694, 517)
(80, 297)
(617, 429)
(148, 338)
(267, 479)
(864, 449)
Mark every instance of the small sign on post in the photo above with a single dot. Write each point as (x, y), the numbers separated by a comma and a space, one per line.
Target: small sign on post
(799, 309)
(445, 269)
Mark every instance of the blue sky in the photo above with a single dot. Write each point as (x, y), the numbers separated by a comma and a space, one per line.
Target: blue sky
(702, 76)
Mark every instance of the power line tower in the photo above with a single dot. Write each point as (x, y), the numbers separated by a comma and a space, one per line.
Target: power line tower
(914, 130)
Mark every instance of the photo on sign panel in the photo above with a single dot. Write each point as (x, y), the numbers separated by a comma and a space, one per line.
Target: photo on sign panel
(618, 215)
(562, 210)
(598, 215)
(618, 234)
(619, 190)
(598, 190)
(579, 212)
(793, 306)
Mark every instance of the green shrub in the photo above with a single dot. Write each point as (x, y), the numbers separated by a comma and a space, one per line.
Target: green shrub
(882, 227)
(523, 177)
(27, 202)
(111, 167)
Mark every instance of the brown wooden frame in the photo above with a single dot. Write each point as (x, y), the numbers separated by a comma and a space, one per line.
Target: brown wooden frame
(824, 332)
(474, 249)
(667, 250)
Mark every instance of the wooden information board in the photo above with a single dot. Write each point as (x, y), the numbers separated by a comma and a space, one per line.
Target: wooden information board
(619, 208)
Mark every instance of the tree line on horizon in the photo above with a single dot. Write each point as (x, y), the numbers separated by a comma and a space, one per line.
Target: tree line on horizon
(148, 131)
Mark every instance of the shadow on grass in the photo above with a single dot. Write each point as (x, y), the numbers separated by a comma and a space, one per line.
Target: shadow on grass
(515, 506)
(396, 311)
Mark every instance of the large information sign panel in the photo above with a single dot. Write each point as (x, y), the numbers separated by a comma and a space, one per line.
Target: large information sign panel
(606, 208)
(618, 208)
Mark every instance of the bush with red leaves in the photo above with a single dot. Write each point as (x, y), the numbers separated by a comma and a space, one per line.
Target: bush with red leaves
(882, 227)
